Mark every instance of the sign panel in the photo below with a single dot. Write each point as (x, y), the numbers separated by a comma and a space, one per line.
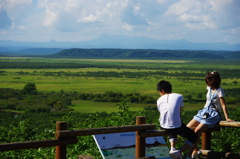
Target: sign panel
(122, 146)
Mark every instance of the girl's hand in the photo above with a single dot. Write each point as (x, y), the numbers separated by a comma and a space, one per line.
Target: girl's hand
(229, 120)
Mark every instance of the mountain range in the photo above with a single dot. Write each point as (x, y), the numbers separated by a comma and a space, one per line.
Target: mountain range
(117, 41)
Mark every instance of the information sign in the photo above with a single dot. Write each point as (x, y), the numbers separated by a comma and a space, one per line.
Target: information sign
(122, 146)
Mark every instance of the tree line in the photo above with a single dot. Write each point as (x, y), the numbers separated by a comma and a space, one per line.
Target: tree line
(123, 74)
(144, 54)
(29, 99)
(111, 96)
(181, 72)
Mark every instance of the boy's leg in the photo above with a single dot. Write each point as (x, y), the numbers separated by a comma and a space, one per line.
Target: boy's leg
(189, 134)
(172, 140)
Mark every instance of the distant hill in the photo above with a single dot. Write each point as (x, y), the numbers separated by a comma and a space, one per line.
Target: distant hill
(106, 53)
(123, 42)
(144, 54)
(28, 51)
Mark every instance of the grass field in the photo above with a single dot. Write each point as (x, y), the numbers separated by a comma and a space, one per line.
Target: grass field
(150, 71)
(85, 106)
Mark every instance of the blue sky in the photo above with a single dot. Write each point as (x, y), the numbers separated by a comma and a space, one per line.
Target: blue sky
(80, 20)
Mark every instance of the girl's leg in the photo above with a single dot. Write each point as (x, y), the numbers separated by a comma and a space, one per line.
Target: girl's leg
(198, 130)
(193, 123)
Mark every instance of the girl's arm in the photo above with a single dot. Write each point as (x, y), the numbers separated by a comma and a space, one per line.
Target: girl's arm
(224, 108)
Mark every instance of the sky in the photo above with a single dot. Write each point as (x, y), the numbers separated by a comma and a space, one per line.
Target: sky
(81, 20)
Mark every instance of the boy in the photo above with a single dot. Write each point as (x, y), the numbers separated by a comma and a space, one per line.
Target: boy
(169, 105)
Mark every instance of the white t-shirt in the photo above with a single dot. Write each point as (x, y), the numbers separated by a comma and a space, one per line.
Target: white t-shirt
(216, 97)
(169, 107)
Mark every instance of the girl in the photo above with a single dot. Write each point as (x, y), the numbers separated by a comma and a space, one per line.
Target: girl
(210, 115)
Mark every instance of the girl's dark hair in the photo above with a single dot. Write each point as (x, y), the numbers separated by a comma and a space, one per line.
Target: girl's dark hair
(164, 85)
(213, 79)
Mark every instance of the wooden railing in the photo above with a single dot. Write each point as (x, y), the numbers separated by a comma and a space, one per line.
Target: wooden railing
(65, 137)
(206, 141)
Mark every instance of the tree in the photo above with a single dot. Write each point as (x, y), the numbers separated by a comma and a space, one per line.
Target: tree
(123, 106)
(199, 95)
(30, 89)
(235, 82)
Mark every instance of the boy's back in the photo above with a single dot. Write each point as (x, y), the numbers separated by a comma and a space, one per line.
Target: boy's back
(169, 106)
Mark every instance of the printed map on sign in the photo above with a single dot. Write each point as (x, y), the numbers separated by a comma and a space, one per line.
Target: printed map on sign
(122, 146)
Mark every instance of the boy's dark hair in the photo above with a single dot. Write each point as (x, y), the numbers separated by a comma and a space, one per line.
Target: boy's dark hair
(164, 85)
(213, 79)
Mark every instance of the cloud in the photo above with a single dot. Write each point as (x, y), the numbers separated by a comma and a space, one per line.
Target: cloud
(192, 14)
(205, 14)
(60, 15)
(225, 13)
(133, 15)
(79, 14)
(17, 10)
(127, 27)
(90, 18)
(76, 20)
(50, 18)
(5, 22)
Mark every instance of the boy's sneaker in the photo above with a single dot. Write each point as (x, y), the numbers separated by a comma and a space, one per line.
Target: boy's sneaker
(176, 154)
(171, 151)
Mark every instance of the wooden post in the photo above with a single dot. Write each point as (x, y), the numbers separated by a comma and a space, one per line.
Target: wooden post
(61, 151)
(140, 141)
(206, 140)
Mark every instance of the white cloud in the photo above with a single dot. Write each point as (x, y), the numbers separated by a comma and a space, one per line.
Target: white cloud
(161, 1)
(75, 15)
(127, 26)
(75, 20)
(226, 13)
(88, 19)
(50, 18)
(205, 14)
(16, 11)
(193, 14)
(22, 27)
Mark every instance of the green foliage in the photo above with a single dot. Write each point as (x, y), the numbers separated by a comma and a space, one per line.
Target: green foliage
(28, 99)
(233, 96)
(41, 126)
(30, 89)
(199, 95)
(123, 106)
(35, 113)
(150, 108)
(234, 92)
(111, 96)
(140, 54)
(235, 82)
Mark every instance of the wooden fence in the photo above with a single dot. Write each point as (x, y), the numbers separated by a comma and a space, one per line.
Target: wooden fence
(65, 137)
